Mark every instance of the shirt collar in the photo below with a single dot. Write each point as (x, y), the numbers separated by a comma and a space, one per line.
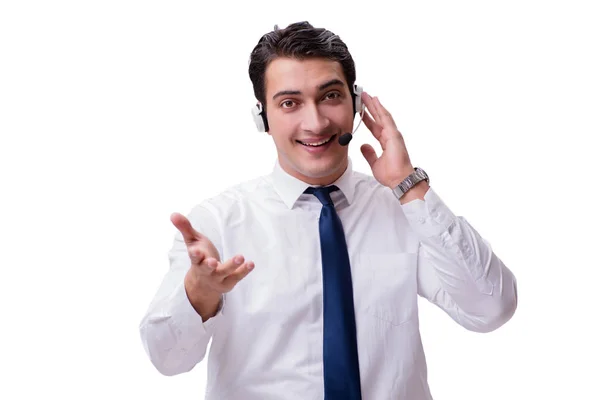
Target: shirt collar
(290, 188)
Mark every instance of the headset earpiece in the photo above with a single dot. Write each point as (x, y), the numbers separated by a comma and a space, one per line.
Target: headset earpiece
(358, 104)
(358, 107)
(260, 118)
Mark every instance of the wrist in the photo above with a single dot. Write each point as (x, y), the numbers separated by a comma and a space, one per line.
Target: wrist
(401, 176)
(204, 300)
(411, 184)
(416, 192)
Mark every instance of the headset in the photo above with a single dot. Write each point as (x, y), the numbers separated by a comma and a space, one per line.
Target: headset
(260, 116)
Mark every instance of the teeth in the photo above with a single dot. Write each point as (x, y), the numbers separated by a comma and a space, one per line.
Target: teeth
(317, 144)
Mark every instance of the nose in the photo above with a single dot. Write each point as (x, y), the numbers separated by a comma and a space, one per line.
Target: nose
(313, 120)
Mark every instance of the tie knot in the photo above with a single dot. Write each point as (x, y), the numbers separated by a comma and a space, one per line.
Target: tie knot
(322, 193)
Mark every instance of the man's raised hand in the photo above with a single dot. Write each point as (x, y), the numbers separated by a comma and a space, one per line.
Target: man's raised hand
(208, 278)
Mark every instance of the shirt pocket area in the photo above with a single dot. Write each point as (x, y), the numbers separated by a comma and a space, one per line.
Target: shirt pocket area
(385, 286)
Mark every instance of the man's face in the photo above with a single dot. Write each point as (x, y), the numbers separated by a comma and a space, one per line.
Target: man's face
(308, 101)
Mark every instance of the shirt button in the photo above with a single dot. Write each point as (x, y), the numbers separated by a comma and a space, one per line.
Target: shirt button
(422, 220)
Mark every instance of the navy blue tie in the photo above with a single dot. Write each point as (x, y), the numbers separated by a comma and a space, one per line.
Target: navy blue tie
(340, 352)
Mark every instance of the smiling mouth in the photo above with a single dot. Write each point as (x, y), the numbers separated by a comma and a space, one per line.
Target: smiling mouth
(319, 144)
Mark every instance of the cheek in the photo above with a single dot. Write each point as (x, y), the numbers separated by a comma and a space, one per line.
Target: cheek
(282, 128)
(344, 122)
(341, 116)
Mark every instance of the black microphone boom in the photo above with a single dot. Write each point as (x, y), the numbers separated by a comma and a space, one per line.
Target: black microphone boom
(345, 139)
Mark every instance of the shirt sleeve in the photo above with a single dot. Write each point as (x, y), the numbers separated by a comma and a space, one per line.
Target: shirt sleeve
(457, 268)
(172, 332)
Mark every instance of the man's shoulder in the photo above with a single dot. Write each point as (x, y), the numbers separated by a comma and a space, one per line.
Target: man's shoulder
(238, 194)
(247, 190)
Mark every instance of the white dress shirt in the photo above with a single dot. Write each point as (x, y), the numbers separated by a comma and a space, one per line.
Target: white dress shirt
(267, 338)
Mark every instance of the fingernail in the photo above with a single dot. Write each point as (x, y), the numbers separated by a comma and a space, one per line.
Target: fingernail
(250, 266)
(239, 260)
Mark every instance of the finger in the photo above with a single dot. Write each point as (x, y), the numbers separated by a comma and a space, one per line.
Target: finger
(385, 118)
(185, 227)
(229, 266)
(206, 267)
(240, 273)
(372, 125)
(369, 153)
(368, 100)
(197, 256)
(210, 265)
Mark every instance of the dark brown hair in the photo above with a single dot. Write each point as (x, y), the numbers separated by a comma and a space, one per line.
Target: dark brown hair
(299, 40)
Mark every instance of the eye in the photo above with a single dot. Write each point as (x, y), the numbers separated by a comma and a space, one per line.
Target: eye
(332, 95)
(287, 104)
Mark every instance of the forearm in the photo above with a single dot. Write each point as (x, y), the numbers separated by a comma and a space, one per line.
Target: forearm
(173, 333)
(475, 286)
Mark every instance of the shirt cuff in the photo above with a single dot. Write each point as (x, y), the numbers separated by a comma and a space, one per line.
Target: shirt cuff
(429, 217)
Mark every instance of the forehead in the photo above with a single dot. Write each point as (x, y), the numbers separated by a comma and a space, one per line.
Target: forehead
(303, 75)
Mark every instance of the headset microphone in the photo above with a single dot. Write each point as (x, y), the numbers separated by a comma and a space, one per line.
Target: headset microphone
(347, 137)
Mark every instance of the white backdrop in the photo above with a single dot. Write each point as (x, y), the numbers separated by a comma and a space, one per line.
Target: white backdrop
(115, 114)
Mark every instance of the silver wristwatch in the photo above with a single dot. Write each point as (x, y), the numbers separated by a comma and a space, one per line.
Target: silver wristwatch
(409, 182)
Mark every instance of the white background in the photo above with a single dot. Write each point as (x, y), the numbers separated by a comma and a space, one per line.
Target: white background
(115, 114)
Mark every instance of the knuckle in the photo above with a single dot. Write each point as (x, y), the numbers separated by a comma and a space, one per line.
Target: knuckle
(208, 270)
(222, 270)
(194, 255)
(231, 266)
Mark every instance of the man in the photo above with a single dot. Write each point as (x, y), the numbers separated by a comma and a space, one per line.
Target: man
(307, 279)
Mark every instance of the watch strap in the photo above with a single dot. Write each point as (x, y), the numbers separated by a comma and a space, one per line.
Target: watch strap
(417, 176)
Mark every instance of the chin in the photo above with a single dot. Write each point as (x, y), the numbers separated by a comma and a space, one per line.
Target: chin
(318, 170)
(322, 168)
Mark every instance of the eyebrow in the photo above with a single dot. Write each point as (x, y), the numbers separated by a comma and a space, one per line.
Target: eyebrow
(332, 82)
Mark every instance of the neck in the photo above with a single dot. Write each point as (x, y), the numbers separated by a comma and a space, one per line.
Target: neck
(315, 180)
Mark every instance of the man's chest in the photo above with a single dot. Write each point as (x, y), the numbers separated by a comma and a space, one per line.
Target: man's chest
(288, 278)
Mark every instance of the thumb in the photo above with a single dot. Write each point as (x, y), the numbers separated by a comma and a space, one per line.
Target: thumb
(185, 227)
(369, 153)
